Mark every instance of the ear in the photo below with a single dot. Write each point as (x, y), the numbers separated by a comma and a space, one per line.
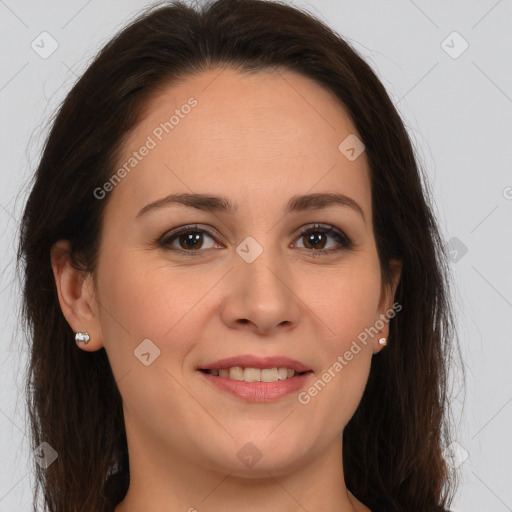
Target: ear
(385, 309)
(75, 289)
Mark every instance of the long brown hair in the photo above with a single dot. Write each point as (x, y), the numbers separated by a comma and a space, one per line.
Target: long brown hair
(392, 446)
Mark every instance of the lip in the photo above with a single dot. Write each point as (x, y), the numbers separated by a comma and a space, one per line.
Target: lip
(252, 361)
(258, 391)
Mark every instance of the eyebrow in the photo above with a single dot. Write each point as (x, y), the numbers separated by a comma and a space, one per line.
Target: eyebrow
(211, 203)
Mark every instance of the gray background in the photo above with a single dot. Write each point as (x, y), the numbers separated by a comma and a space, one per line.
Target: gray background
(458, 109)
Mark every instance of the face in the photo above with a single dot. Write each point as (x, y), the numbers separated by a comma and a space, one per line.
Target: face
(184, 292)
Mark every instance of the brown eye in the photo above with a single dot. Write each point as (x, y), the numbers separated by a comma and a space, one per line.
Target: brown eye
(315, 238)
(187, 239)
(191, 240)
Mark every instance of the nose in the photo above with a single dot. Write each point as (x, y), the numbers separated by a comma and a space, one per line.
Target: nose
(260, 297)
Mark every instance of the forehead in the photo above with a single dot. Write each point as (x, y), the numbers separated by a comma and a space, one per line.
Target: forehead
(247, 136)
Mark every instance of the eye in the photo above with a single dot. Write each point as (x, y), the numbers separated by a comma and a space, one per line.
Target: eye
(316, 239)
(189, 239)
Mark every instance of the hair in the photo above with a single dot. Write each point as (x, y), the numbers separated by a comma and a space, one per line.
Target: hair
(393, 444)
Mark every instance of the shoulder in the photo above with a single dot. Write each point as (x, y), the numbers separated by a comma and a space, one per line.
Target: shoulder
(387, 509)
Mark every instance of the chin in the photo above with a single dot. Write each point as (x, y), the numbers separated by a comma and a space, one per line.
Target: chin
(258, 457)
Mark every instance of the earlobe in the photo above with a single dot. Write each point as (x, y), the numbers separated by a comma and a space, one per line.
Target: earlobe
(76, 297)
(387, 304)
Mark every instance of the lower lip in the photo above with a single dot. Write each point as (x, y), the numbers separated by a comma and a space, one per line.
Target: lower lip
(258, 391)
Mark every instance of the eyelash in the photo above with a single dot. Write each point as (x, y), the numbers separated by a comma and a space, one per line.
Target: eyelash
(343, 240)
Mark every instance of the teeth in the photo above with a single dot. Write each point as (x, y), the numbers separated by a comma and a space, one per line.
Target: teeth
(269, 375)
(282, 373)
(236, 373)
(255, 374)
(252, 374)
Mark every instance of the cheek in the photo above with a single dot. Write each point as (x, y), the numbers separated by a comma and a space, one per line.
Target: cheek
(140, 302)
(347, 303)
(348, 310)
(148, 293)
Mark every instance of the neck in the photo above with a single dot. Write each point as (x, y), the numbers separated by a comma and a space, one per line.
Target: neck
(160, 482)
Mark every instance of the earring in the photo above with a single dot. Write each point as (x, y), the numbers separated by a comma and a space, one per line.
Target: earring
(383, 341)
(82, 336)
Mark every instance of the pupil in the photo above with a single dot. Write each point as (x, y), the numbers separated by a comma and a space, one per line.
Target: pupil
(314, 239)
(191, 239)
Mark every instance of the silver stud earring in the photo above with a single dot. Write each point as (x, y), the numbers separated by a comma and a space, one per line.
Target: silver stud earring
(383, 341)
(82, 336)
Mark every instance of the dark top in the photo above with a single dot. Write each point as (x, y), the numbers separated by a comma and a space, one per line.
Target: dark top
(117, 486)
(384, 509)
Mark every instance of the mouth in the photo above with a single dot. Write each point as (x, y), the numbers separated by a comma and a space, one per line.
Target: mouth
(257, 379)
(249, 374)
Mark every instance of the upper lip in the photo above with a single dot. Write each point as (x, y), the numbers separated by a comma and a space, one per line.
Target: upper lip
(252, 361)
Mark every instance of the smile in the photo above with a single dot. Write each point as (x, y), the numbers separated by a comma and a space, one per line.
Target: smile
(255, 374)
(255, 384)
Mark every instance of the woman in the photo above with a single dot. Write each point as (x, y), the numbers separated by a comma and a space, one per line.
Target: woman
(234, 282)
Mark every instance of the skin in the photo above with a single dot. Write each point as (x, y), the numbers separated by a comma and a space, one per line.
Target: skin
(256, 140)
